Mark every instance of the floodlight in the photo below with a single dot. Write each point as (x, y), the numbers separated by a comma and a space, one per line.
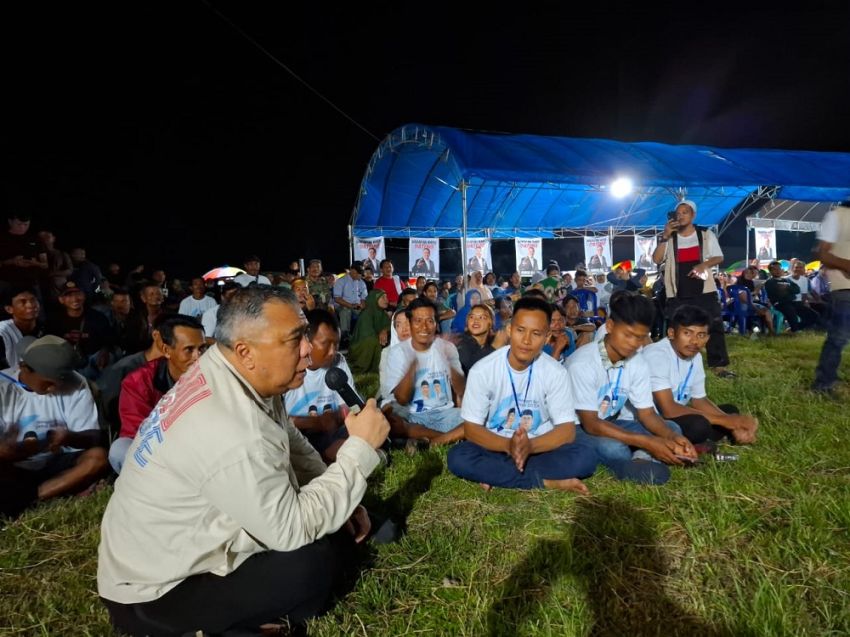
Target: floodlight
(621, 187)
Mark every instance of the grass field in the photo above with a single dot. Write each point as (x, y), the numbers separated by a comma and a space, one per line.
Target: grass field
(756, 547)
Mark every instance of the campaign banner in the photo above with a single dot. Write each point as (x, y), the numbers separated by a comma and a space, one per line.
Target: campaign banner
(478, 256)
(370, 252)
(597, 253)
(424, 257)
(765, 244)
(644, 248)
(529, 254)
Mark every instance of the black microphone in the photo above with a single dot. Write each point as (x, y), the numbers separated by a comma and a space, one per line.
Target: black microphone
(337, 380)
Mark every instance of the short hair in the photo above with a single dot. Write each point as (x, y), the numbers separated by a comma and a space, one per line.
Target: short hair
(408, 292)
(15, 290)
(419, 303)
(773, 263)
(383, 261)
(532, 303)
(318, 317)
(553, 266)
(526, 412)
(559, 309)
(312, 408)
(512, 410)
(533, 293)
(424, 382)
(687, 315)
(245, 309)
(119, 290)
(431, 284)
(572, 297)
(632, 309)
(580, 273)
(327, 407)
(437, 382)
(167, 326)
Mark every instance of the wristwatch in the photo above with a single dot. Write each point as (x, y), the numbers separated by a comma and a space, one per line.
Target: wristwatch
(661, 239)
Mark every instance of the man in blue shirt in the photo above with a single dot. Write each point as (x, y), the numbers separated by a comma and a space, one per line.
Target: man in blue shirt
(349, 295)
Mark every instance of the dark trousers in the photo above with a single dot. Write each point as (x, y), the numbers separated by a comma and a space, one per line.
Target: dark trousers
(268, 586)
(808, 316)
(837, 337)
(715, 350)
(473, 462)
(789, 311)
(698, 429)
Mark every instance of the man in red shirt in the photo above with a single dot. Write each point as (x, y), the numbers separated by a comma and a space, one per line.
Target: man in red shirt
(389, 283)
(182, 344)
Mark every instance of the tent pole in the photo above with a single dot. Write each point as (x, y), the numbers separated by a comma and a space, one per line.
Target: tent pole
(747, 243)
(464, 264)
(350, 246)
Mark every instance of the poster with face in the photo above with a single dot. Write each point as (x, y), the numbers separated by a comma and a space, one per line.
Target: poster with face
(529, 255)
(644, 247)
(597, 253)
(424, 257)
(370, 252)
(478, 256)
(765, 244)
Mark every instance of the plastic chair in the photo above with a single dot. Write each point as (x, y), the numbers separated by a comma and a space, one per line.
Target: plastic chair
(741, 312)
(586, 300)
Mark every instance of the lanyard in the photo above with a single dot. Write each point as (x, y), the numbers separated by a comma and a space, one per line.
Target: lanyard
(615, 393)
(513, 387)
(681, 391)
(16, 382)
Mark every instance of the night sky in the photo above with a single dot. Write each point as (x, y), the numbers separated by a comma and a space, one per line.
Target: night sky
(162, 117)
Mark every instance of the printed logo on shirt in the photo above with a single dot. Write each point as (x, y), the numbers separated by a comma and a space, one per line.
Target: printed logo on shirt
(506, 417)
(430, 391)
(611, 399)
(315, 403)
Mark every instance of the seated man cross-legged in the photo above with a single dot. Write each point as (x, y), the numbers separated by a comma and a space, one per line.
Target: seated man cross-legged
(613, 398)
(518, 414)
(678, 383)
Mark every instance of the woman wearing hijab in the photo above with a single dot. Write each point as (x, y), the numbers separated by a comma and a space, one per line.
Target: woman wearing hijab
(473, 298)
(371, 334)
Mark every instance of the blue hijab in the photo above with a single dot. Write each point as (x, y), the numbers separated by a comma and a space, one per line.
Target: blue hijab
(459, 321)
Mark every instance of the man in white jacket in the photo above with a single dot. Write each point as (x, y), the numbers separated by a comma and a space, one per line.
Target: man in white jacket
(224, 517)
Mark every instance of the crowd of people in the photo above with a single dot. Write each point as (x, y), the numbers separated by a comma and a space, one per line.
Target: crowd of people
(241, 470)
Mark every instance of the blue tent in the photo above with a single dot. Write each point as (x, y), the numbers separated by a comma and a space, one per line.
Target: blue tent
(424, 181)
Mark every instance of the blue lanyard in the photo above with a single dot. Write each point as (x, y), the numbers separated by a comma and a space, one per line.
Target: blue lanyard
(16, 382)
(682, 389)
(615, 393)
(513, 387)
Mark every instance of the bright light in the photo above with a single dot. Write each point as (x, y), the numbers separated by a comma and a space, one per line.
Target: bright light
(621, 187)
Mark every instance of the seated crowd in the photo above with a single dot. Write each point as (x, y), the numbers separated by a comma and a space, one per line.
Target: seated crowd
(242, 461)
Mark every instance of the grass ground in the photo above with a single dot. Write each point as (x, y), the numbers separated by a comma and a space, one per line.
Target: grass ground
(755, 547)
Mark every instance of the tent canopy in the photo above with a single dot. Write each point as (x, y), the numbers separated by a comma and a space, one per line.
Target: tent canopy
(533, 186)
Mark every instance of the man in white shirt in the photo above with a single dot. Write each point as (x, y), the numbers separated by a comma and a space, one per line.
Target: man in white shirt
(678, 383)
(210, 316)
(802, 302)
(413, 366)
(834, 253)
(613, 398)
(251, 264)
(224, 517)
(49, 433)
(326, 429)
(22, 305)
(198, 302)
(519, 422)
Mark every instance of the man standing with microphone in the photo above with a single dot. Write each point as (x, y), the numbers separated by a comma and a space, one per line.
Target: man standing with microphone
(224, 517)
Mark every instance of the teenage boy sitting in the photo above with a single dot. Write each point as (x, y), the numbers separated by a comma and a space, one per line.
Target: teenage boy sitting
(613, 398)
(678, 383)
(519, 421)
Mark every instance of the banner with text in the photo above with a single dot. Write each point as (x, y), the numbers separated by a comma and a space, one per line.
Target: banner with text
(370, 252)
(424, 257)
(529, 255)
(478, 255)
(644, 247)
(597, 253)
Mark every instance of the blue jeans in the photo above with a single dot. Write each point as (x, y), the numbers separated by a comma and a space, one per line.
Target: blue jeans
(837, 336)
(472, 462)
(442, 420)
(609, 449)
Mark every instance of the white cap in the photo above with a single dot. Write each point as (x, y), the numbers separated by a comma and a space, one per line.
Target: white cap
(688, 202)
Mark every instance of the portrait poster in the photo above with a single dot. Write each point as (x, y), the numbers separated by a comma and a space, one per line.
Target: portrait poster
(370, 252)
(424, 257)
(478, 256)
(644, 248)
(765, 244)
(597, 253)
(529, 255)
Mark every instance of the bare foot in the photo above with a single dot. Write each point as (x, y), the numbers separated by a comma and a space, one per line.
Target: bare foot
(570, 484)
(485, 486)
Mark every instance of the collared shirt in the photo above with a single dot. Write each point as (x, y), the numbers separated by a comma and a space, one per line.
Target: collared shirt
(350, 291)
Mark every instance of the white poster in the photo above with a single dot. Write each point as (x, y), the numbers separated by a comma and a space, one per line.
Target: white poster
(529, 254)
(478, 255)
(765, 244)
(424, 257)
(644, 247)
(597, 253)
(370, 252)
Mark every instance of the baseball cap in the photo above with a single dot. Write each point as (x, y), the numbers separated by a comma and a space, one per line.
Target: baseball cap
(688, 202)
(69, 287)
(49, 356)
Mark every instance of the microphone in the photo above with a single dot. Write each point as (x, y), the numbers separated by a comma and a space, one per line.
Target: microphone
(337, 380)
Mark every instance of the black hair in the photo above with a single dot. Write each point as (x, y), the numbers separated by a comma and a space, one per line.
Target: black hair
(571, 297)
(526, 412)
(424, 382)
(580, 273)
(408, 292)
(327, 408)
(15, 290)
(632, 309)
(418, 303)
(773, 263)
(430, 284)
(532, 303)
(437, 382)
(171, 322)
(534, 293)
(383, 261)
(687, 315)
(318, 317)
(312, 408)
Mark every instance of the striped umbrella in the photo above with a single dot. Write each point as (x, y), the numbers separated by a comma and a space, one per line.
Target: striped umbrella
(224, 272)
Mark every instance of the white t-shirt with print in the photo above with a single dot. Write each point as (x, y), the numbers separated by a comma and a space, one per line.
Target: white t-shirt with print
(36, 414)
(612, 393)
(247, 279)
(432, 387)
(685, 378)
(543, 389)
(314, 393)
(11, 336)
(209, 319)
(803, 283)
(190, 306)
(710, 248)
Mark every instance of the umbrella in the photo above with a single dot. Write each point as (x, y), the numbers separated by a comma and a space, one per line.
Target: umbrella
(785, 263)
(626, 265)
(737, 266)
(813, 265)
(224, 272)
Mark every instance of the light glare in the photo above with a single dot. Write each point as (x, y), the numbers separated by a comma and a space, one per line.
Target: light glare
(621, 187)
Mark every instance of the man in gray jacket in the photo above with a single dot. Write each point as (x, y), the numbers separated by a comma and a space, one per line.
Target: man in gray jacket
(224, 517)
